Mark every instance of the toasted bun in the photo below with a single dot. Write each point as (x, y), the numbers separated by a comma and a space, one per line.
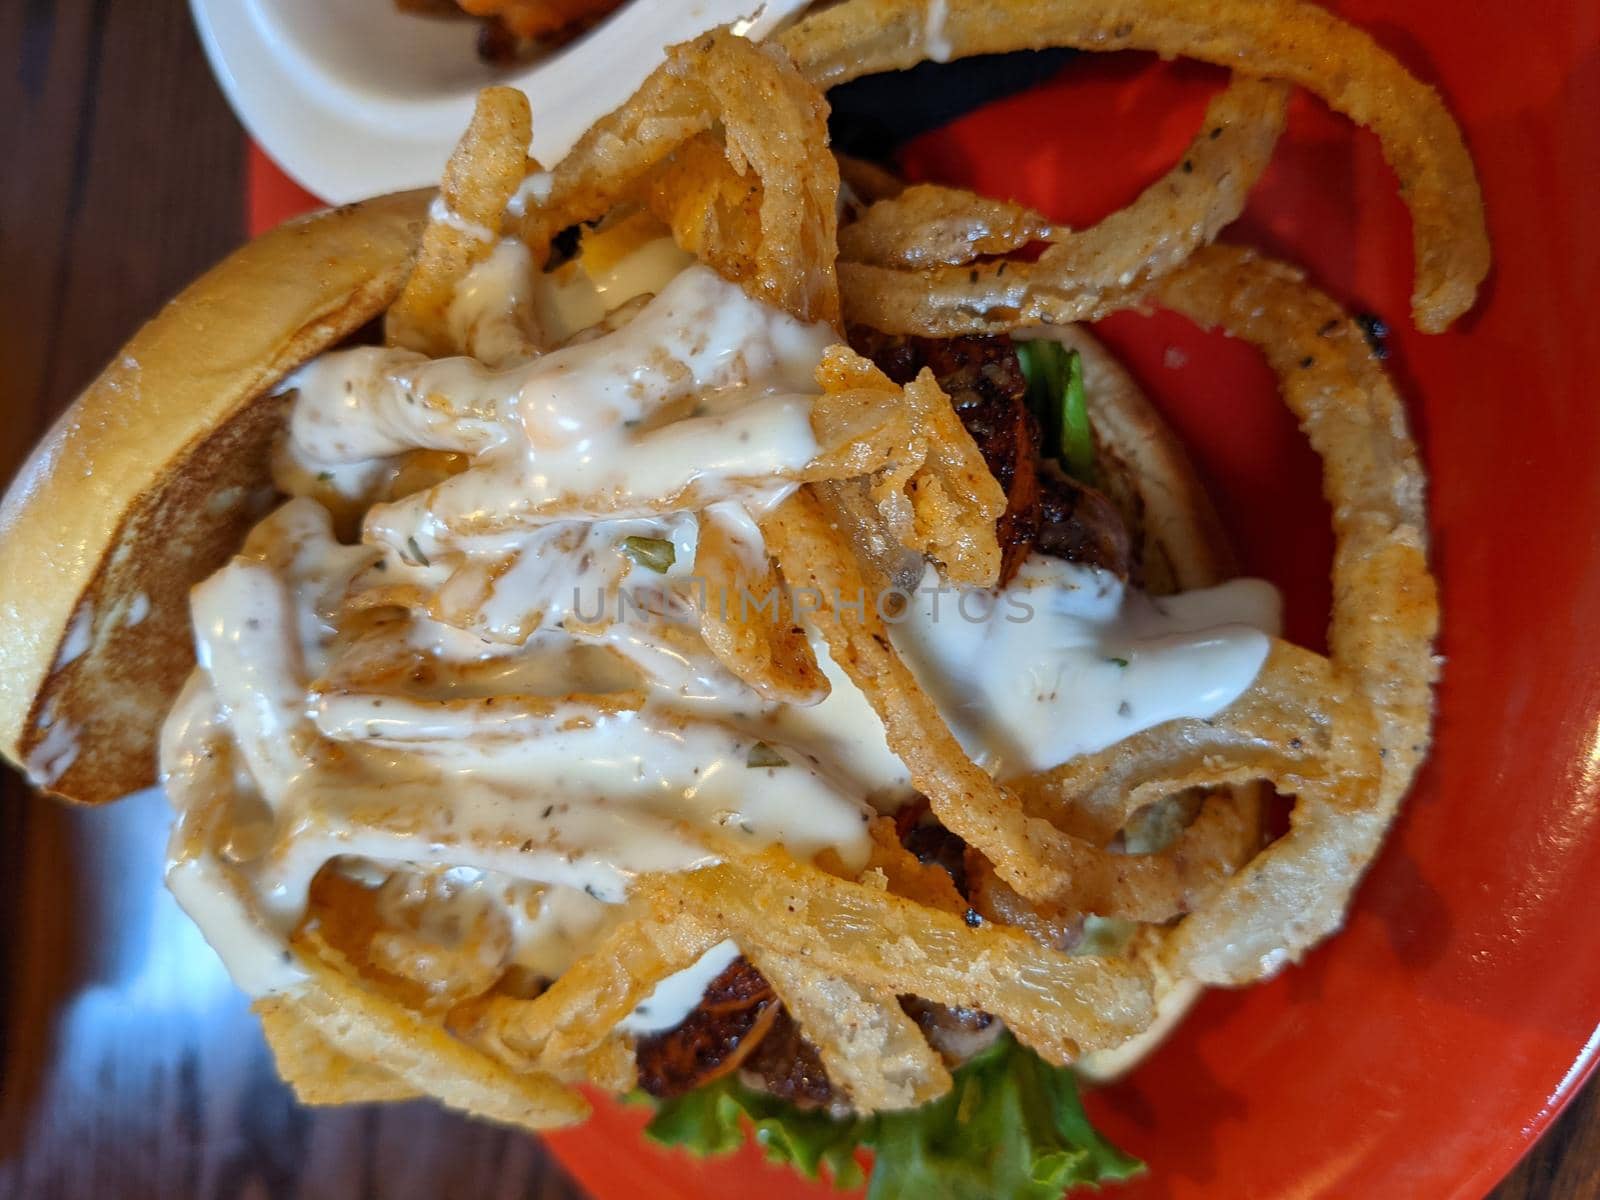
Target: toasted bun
(151, 479)
(1147, 473)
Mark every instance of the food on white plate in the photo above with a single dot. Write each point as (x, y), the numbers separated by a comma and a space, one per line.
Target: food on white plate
(515, 31)
(733, 635)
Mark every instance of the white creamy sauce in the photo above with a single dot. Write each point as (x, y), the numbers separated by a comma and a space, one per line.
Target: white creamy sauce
(497, 708)
(1067, 659)
(491, 312)
(556, 794)
(563, 924)
(705, 395)
(374, 402)
(79, 636)
(535, 187)
(441, 213)
(217, 823)
(844, 732)
(255, 953)
(934, 42)
(676, 996)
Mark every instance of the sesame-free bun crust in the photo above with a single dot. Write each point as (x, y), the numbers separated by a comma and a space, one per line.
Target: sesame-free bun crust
(151, 479)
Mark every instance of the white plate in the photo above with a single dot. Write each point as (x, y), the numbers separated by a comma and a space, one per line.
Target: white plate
(354, 98)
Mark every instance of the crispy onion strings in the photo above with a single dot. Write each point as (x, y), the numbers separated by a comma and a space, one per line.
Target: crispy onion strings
(928, 225)
(1296, 42)
(358, 1022)
(1041, 860)
(1344, 737)
(868, 1045)
(1299, 726)
(1385, 602)
(1082, 274)
(963, 796)
(727, 144)
(319, 1073)
(770, 654)
(820, 935)
(1058, 1005)
(573, 1018)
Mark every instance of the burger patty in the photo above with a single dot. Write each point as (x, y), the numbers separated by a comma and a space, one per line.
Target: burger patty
(740, 1025)
(1046, 510)
(738, 1010)
(1081, 524)
(788, 1066)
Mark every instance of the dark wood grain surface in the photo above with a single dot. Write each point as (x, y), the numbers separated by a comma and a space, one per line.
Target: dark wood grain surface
(129, 1066)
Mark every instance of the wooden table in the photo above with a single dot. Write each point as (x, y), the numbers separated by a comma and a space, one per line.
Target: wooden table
(129, 1066)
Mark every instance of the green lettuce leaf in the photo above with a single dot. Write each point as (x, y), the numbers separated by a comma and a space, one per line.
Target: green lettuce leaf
(711, 1120)
(1011, 1128)
(1057, 397)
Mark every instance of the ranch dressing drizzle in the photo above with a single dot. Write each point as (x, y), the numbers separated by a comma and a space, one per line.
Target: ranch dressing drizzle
(566, 796)
(451, 739)
(440, 212)
(491, 314)
(1068, 659)
(934, 42)
(704, 390)
(675, 997)
(536, 186)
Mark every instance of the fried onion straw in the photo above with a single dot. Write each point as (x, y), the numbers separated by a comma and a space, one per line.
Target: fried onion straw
(1082, 274)
(1304, 725)
(1385, 602)
(1060, 1006)
(868, 1045)
(483, 173)
(928, 225)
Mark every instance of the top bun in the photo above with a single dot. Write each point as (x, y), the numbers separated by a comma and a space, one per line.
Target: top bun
(151, 479)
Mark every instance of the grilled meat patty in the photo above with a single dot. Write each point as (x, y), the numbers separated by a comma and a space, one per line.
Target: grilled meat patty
(1046, 510)
(737, 1011)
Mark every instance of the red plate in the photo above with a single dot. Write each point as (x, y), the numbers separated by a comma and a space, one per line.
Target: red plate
(1422, 1051)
